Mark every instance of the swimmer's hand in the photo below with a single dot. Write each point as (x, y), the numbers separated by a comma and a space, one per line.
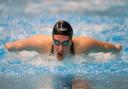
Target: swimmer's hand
(9, 46)
(118, 48)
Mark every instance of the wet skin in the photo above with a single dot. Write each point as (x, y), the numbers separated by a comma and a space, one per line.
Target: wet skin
(60, 50)
(43, 45)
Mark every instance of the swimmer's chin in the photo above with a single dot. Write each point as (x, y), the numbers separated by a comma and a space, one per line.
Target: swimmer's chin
(60, 57)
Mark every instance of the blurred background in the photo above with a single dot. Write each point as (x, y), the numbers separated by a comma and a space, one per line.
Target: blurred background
(105, 20)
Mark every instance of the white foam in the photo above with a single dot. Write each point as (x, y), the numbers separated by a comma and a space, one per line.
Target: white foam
(102, 57)
(38, 59)
(51, 61)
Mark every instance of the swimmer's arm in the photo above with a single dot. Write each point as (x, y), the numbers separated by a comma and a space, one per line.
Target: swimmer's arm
(30, 44)
(106, 47)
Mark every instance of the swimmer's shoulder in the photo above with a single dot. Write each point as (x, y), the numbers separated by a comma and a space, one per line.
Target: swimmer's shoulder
(44, 42)
(83, 39)
(82, 43)
(43, 37)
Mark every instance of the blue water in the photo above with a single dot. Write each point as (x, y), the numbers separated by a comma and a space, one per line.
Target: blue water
(106, 21)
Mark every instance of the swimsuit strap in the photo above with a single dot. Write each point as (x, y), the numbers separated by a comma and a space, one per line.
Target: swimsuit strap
(72, 49)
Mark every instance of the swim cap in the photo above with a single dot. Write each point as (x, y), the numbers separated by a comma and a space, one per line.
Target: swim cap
(62, 28)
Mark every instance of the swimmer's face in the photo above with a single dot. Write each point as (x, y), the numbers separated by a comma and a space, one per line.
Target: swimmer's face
(61, 46)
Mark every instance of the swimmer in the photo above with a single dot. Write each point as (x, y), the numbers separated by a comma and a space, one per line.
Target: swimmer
(62, 43)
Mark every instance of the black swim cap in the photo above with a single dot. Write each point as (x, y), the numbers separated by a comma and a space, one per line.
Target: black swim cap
(62, 28)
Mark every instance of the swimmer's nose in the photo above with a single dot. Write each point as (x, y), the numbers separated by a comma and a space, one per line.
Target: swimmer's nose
(60, 47)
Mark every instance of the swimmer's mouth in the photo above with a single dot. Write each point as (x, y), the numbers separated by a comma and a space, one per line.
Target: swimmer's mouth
(60, 56)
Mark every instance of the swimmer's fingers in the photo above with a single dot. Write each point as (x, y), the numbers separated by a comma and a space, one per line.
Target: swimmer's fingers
(9, 46)
(118, 47)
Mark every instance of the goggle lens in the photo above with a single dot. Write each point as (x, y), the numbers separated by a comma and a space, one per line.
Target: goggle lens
(64, 43)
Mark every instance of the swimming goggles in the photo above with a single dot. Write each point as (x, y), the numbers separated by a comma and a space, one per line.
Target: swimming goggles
(64, 43)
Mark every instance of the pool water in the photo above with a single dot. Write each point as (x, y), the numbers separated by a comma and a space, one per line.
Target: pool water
(103, 20)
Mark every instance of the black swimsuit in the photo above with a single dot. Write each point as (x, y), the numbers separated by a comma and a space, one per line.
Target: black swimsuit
(72, 49)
